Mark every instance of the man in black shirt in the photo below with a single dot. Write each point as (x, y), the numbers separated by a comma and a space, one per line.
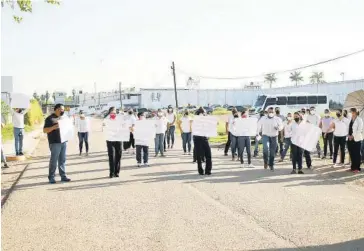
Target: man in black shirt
(58, 149)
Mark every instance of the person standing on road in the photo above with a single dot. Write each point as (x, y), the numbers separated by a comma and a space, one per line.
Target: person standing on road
(286, 136)
(18, 123)
(161, 127)
(203, 149)
(269, 127)
(327, 133)
(112, 125)
(130, 119)
(280, 142)
(257, 139)
(142, 145)
(244, 143)
(355, 138)
(340, 127)
(228, 126)
(185, 126)
(171, 117)
(234, 137)
(296, 150)
(83, 128)
(57, 148)
(314, 119)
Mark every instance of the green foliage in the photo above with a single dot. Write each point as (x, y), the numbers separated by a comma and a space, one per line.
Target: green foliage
(270, 78)
(5, 109)
(220, 111)
(34, 115)
(317, 77)
(7, 133)
(296, 77)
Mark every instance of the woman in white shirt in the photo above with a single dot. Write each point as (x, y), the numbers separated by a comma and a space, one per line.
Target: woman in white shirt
(171, 117)
(161, 127)
(296, 150)
(130, 118)
(355, 138)
(340, 127)
(83, 128)
(185, 126)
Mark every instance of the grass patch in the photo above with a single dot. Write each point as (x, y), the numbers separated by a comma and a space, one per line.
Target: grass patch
(7, 133)
(220, 111)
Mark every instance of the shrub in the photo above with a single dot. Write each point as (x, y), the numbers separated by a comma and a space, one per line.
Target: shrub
(34, 115)
(220, 111)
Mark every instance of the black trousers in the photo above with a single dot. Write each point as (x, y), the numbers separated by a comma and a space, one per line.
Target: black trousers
(328, 141)
(339, 142)
(354, 152)
(114, 152)
(307, 155)
(83, 137)
(203, 149)
(296, 157)
(139, 150)
(228, 143)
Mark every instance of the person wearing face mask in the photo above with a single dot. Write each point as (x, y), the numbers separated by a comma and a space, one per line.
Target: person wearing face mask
(18, 123)
(203, 149)
(171, 126)
(185, 126)
(341, 129)
(58, 149)
(234, 137)
(83, 128)
(314, 119)
(355, 138)
(287, 134)
(327, 133)
(281, 139)
(142, 145)
(269, 127)
(244, 143)
(112, 124)
(257, 140)
(296, 150)
(130, 118)
(161, 124)
(227, 127)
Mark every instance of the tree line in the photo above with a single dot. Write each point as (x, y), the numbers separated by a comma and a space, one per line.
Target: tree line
(297, 78)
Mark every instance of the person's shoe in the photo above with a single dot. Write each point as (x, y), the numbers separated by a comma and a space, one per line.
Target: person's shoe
(17, 154)
(225, 154)
(271, 169)
(294, 171)
(163, 155)
(146, 164)
(233, 158)
(111, 176)
(323, 157)
(172, 146)
(156, 155)
(280, 160)
(309, 167)
(330, 157)
(194, 161)
(5, 165)
(242, 165)
(87, 154)
(251, 165)
(265, 166)
(21, 154)
(52, 181)
(184, 153)
(116, 175)
(336, 165)
(189, 153)
(356, 171)
(80, 154)
(300, 172)
(207, 173)
(139, 164)
(65, 179)
(168, 147)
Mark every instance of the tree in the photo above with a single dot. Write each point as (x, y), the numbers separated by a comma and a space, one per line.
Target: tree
(270, 78)
(24, 6)
(317, 77)
(47, 96)
(296, 77)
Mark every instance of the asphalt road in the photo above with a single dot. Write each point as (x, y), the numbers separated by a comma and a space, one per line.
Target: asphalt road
(167, 206)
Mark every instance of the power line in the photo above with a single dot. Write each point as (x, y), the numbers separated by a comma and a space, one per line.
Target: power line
(277, 72)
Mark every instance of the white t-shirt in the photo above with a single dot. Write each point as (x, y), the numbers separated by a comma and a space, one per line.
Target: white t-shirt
(161, 125)
(83, 125)
(112, 127)
(171, 117)
(341, 127)
(230, 121)
(186, 124)
(287, 129)
(129, 119)
(313, 119)
(18, 119)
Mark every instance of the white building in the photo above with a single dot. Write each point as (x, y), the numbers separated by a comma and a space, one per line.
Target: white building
(92, 99)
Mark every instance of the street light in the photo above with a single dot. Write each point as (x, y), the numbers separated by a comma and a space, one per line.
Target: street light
(343, 75)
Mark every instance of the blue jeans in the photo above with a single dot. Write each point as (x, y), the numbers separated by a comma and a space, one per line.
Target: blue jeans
(83, 137)
(269, 152)
(18, 136)
(256, 148)
(186, 140)
(170, 134)
(159, 143)
(58, 156)
(139, 150)
(287, 145)
(244, 142)
(234, 145)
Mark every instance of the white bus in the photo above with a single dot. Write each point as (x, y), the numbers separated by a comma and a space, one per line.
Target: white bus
(292, 102)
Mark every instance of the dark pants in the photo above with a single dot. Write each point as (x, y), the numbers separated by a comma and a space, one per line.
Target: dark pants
(165, 140)
(130, 143)
(287, 145)
(203, 150)
(186, 141)
(307, 155)
(354, 152)
(234, 142)
(328, 140)
(280, 144)
(58, 156)
(339, 142)
(362, 150)
(139, 149)
(18, 138)
(114, 152)
(269, 151)
(170, 135)
(228, 143)
(83, 137)
(296, 156)
(244, 142)
(194, 153)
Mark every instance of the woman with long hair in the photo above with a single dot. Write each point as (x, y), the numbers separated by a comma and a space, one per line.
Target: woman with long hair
(355, 138)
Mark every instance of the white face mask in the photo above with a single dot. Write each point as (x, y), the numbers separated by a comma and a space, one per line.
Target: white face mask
(289, 118)
(313, 112)
(142, 117)
(271, 114)
(160, 114)
(327, 114)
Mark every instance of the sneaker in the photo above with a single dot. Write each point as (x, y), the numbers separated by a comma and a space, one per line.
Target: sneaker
(116, 175)
(356, 171)
(280, 160)
(251, 166)
(323, 157)
(294, 171)
(189, 153)
(156, 155)
(271, 169)
(207, 173)
(52, 181)
(171, 146)
(300, 172)
(225, 154)
(184, 153)
(5, 165)
(146, 164)
(65, 179)
(309, 167)
(265, 166)
(336, 165)
(242, 165)
(21, 154)
(139, 164)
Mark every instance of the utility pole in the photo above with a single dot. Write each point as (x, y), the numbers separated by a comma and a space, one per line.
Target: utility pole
(175, 84)
(121, 100)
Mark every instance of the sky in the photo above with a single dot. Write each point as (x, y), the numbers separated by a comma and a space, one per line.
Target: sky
(82, 42)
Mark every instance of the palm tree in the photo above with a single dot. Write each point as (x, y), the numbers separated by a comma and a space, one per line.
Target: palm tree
(270, 78)
(317, 77)
(296, 77)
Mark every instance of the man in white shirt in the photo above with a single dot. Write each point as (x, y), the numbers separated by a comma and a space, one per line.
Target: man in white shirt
(185, 126)
(83, 128)
(280, 142)
(18, 123)
(314, 119)
(269, 127)
(171, 117)
(161, 126)
(244, 142)
(228, 125)
(130, 119)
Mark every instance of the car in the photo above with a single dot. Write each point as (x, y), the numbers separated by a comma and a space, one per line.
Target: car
(208, 110)
(147, 112)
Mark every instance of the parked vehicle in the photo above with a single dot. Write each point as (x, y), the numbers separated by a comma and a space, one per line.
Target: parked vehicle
(208, 110)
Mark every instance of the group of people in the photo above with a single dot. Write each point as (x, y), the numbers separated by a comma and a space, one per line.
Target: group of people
(276, 131)
(273, 130)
